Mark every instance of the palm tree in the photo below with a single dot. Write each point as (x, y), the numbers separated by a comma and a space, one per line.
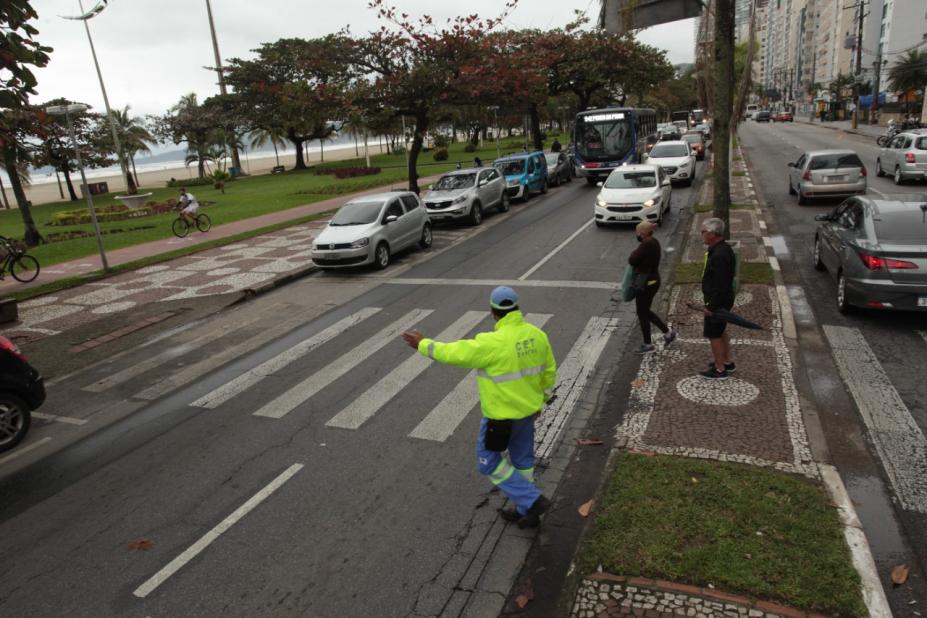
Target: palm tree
(909, 73)
(275, 135)
(133, 134)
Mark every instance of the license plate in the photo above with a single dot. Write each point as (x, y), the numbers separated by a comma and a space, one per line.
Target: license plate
(624, 217)
(922, 300)
(836, 178)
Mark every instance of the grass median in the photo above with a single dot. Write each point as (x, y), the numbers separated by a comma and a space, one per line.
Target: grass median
(737, 528)
(243, 199)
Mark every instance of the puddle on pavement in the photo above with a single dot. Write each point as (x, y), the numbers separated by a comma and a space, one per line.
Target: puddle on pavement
(779, 246)
(875, 513)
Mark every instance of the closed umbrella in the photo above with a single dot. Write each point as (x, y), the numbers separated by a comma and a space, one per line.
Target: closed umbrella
(727, 316)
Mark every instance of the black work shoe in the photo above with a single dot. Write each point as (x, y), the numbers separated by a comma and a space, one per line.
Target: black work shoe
(728, 367)
(532, 519)
(714, 374)
(511, 514)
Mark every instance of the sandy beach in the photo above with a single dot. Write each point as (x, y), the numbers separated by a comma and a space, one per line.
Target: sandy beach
(42, 193)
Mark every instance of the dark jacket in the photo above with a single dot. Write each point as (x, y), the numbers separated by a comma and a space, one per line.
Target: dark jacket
(646, 259)
(718, 277)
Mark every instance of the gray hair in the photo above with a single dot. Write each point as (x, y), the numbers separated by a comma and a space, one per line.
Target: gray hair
(714, 225)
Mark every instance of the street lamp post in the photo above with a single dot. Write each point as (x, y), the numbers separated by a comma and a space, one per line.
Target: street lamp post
(85, 17)
(66, 111)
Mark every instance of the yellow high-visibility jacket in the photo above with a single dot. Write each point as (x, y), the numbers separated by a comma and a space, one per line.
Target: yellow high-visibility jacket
(516, 370)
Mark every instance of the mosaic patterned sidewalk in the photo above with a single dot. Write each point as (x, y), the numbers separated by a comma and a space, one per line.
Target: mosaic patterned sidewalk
(226, 269)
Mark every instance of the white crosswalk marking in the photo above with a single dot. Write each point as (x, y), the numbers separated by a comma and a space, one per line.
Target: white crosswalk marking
(288, 401)
(441, 422)
(251, 377)
(151, 362)
(572, 376)
(374, 398)
(899, 441)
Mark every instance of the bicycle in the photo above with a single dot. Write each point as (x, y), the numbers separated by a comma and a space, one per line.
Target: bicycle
(181, 226)
(24, 268)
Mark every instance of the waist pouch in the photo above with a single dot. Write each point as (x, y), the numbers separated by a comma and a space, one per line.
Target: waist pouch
(497, 435)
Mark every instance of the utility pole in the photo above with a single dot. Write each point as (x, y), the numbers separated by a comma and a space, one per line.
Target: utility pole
(724, 104)
(859, 59)
(236, 162)
(874, 107)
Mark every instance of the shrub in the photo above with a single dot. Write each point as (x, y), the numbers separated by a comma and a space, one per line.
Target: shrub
(440, 141)
(189, 182)
(398, 150)
(352, 172)
(440, 154)
(470, 147)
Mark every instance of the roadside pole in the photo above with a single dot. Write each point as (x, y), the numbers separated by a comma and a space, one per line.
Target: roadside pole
(724, 95)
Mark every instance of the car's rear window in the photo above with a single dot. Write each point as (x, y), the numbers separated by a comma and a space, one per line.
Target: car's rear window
(668, 150)
(904, 227)
(693, 138)
(630, 180)
(921, 143)
(835, 161)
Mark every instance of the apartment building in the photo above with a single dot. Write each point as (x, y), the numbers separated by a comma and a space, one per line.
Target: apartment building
(902, 27)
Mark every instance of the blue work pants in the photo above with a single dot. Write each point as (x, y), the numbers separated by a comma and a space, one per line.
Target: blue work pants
(516, 477)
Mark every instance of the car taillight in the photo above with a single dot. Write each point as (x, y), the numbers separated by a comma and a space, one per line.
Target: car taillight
(863, 172)
(806, 175)
(873, 262)
(909, 157)
(11, 347)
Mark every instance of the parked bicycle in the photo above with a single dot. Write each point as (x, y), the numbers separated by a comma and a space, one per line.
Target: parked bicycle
(24, 268)
(890, 132)
(182, 224)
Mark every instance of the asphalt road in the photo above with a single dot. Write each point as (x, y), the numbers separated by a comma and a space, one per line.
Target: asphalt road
(290, 456)
(863, 370)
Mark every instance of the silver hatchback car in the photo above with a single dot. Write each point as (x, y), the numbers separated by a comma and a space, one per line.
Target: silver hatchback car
(466, 194)
(905, 157)
(875, 250)
(827, 173)
(370, 228)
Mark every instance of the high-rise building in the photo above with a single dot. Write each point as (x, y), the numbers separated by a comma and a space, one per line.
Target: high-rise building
(903, 27)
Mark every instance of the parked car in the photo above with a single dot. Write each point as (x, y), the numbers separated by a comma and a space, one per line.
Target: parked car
(524, 173)
(668, 132)
(466, 194)
(705, 128)
(905, 157)
(827, 173)
(696, 142)
(559, 168)
(22, 391)
(634, 193)
(676, 159)
(783, 117)
(874, 249)
(752, 109)
(370, 228)
(762, 116)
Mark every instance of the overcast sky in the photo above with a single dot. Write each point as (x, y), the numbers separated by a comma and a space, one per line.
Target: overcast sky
(152, 52)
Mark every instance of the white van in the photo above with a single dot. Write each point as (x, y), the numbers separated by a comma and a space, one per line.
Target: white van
(751, 111)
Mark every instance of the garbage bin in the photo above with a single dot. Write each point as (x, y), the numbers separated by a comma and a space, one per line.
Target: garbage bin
(235, 171)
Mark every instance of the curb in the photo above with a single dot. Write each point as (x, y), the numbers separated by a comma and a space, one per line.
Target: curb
(249, 293)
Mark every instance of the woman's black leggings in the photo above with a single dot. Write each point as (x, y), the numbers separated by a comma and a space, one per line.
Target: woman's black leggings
(645, 316)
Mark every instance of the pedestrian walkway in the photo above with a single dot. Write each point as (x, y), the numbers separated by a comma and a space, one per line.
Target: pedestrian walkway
(846, 126)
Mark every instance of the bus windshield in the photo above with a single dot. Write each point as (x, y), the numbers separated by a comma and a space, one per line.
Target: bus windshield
(603, 136)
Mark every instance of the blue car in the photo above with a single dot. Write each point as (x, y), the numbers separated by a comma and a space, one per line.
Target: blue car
(524, 172)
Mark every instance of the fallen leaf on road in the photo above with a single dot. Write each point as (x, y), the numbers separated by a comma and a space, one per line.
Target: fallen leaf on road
(527, 594)
(637, 383)
(588, 442)
(521, 601)
(141, 544)
(585, 508)
(900, 574)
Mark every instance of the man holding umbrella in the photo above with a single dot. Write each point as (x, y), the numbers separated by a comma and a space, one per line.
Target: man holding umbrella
(718, 291)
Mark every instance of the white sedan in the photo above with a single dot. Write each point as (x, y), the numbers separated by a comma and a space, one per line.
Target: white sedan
(676, 158)
(634, 193)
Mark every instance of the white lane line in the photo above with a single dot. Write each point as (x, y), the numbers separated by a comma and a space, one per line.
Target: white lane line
(767, 241)
(443, 421)
(23, 450)
(59, 419)
(191, 552)
(874, 190)
(572, 376)
(899, 441)
(491, 283)
(556, 250)
(923, 333)
(151, 362)
(196, 370)
(774, 262)
(251, 377)
(374, 398)
(302, 392)
(762, 225)
(873, 593)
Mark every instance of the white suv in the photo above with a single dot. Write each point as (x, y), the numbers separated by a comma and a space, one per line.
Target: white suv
(676, 159)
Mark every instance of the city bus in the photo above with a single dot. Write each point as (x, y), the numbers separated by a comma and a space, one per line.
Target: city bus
(604, 139)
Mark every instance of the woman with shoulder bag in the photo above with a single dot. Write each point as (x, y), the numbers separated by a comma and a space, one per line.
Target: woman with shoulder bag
(645, 260)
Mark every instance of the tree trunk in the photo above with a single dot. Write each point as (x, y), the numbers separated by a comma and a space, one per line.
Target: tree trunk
(276, 154)
(724, 95)
(535, 123)
(67, 181)
(300, 160)
(201, 167)
(130, 183)
(31, 234)
(421, 126)
(134, 173)
(6, 200)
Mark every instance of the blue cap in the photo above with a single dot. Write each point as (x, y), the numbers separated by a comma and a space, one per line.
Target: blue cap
(503, 297)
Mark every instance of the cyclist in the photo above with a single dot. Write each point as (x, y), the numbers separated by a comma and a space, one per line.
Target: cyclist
(188, 206)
